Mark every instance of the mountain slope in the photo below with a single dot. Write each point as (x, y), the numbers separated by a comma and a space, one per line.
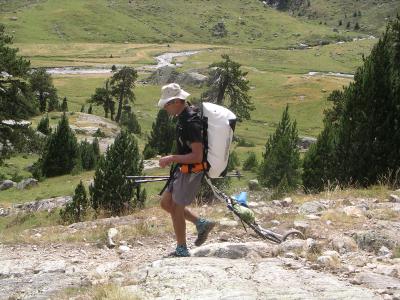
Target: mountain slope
(140, 21)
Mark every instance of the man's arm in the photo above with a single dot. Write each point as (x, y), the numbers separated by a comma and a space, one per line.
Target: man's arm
(195, 157)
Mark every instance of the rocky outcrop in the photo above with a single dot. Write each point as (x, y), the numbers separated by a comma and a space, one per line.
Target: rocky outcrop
(223, 278)
(168, 74)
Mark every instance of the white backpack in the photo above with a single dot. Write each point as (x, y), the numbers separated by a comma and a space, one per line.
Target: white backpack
(220, 123)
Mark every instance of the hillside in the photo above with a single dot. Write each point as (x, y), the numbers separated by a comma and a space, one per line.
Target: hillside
(195, 21)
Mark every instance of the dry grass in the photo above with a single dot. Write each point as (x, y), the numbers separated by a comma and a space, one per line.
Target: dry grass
(98, 292)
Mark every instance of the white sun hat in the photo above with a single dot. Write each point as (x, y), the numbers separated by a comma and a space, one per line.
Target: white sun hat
(170, 92)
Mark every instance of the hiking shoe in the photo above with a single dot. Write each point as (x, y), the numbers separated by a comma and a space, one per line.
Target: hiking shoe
(180, 251)
(203, 229)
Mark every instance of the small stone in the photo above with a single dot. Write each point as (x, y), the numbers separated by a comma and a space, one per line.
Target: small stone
(301, 225)
(276, 203)
(384, 251)
(286, 202)
(124, 248)
(275, 222)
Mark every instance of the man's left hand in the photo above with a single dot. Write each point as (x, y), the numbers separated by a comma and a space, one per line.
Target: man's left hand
(165, 161)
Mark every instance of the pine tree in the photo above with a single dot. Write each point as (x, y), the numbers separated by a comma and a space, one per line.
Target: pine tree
(44, 125)
(162, 135)
(42, 86)
(83, 108)
(76, 210)
(227, 85)
(103, 96)
(122, 84)
(88, 156)
(90, 110)
(64, 105)
(111, 190)
(129, 121)
(357, 26)
(61, 152)
(281, 160)
(251, 162)
(53, 104)
(364, 122)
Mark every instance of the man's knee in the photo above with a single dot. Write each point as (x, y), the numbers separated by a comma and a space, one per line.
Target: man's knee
(166, 201)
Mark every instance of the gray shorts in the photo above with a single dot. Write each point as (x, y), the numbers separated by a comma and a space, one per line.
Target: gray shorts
(184, 187)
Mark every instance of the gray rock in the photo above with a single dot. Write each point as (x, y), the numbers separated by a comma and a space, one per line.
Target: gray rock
(354, 211)
(305, 142)
(303, 226)
(295, 245)
(41, 205)
(312, 207)
(343, 244)
(191, 78)
(111, 233)
(377, 281)
(27, 183)
(216, 278)
(49, 266)
(7, 184)
(384, 251)
(234, 250)
(254, 185)
(394, 198)
(287, 202)
(372, 240)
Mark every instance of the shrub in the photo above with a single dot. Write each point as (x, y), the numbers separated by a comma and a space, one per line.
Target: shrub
(251, 162)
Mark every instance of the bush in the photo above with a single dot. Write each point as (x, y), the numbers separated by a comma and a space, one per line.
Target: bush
(44, 125)
(244, 143)
(76, 210)
(251, 163)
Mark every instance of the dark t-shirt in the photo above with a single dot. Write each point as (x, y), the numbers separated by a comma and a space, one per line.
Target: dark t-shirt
(189, 129)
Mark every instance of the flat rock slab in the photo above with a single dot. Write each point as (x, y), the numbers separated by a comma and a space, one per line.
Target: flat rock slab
(221, 278)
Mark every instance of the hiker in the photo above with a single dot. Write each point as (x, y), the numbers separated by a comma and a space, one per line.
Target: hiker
(183, 186)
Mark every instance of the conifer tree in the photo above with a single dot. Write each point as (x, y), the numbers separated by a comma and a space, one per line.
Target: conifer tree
(61, 152)
(111, 190)
(76, 210)
(161, 137)
(103, 96)
(53, 104)
(96, 148)
(122, 84)
(88, 156)
(42, 86)
(64, 105)
(129, 120)
(227, 86)
(44, 125)
(364, 122)
(83, 108)
(90, 109)
(251, 162)
(280, 167)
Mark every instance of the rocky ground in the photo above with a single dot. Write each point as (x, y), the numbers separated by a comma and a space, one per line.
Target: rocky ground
(351, 251)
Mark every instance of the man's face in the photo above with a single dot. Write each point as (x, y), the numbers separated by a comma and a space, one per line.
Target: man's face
(172, 107)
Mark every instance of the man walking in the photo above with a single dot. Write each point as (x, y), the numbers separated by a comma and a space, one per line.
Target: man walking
(185, 182)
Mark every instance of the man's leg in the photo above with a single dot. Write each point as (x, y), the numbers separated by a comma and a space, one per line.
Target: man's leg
(167, 204)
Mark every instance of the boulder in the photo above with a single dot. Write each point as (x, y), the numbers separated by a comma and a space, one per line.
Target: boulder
(191, 78)
(343, 244)
(312, 207)
(305, 142)
(7, 184)
(27, 183)
(372, 241)
(254, 185)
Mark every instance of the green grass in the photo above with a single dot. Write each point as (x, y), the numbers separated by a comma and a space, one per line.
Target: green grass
(51, 187)
(151, 21)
